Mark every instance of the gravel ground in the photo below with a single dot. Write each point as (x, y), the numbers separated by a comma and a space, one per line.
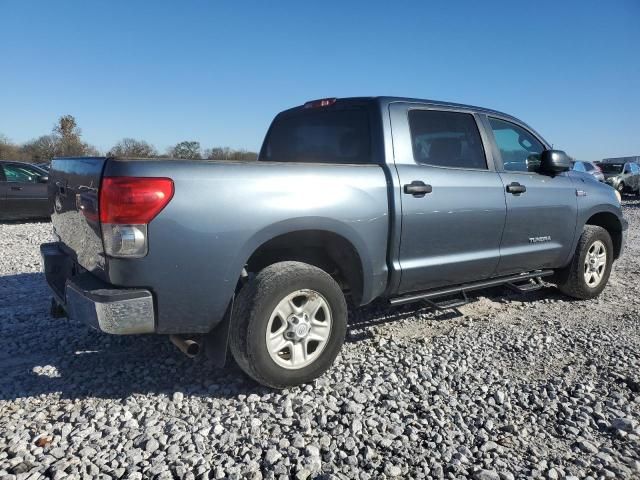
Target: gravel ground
(514, 386)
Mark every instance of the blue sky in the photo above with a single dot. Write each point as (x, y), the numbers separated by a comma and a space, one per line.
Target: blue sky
(217, 72)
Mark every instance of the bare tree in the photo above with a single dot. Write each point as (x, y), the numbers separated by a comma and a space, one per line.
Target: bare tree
(186, 150)
(245, 155)
(90, 150)
(9, 150)
(42, 149)
(226, 153)
(65, 140)
(216, 153)
(130, 147)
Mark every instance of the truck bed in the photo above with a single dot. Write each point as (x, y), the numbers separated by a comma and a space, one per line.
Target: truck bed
(221, 213)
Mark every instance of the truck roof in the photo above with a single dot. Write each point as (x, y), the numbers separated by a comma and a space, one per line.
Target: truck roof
(439, 103)
(382, 102)
(386, 100)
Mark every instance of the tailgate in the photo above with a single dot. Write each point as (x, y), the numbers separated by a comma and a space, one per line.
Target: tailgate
(73, 192)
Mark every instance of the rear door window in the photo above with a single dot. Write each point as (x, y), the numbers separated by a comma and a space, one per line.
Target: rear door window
(446, 139)
(319, 136)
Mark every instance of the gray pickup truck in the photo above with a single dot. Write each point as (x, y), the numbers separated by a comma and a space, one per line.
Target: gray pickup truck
(358, 198)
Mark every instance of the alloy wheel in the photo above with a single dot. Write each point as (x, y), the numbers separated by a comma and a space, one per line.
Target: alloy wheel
(298, 329)
(595, 264)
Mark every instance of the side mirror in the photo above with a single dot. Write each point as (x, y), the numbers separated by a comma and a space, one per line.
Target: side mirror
(43, 179)
(554, 161)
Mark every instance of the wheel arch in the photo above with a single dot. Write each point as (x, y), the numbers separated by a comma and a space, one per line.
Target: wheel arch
(612, 224)
(329, 245)
(324, 249)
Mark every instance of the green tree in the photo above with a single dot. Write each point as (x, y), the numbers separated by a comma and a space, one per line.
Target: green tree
(187, 150)
(69, 134)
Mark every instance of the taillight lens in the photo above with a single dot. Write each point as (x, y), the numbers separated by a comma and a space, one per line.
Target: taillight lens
(127, 205)
(135, 200)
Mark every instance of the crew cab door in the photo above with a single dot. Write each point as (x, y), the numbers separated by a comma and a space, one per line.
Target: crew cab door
(541, 209)
(452, 200)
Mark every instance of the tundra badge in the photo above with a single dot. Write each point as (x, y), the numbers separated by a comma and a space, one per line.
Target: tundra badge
(546, 238)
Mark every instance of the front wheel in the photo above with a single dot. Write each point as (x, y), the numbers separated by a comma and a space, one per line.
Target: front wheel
(587, 274)
(288, 324)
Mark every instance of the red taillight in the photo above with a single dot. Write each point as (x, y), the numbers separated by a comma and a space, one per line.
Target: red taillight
(133, 200)
(323, 102)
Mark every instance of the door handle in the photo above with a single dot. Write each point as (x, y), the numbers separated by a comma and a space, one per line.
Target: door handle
(417, 188)
(515, 188)
(16, 188)
(61, 188)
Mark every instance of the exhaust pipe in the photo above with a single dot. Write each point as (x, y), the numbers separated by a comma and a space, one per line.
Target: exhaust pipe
(189, 347)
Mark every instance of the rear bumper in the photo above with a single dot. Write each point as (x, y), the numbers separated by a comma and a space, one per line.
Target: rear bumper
(86, 298)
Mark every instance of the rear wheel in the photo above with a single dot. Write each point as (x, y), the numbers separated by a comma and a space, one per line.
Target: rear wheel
(621, 188)
(587, 274)
(288, 324)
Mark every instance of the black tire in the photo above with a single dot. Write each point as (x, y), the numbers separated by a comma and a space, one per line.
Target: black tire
(253, 307)
(621, 188)
(570, 280)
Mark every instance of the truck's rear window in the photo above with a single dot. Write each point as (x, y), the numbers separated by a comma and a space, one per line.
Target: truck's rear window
(319, 136)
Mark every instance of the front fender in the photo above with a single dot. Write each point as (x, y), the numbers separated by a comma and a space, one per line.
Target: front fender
(595, 198)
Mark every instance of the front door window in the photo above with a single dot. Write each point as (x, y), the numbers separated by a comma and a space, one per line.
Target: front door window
(519, 149)
(22, 174)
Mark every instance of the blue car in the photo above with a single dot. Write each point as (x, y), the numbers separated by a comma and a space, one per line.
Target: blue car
(589, 168)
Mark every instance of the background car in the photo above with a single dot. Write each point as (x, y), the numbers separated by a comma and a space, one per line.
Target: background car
(23, 191)
(623, 176)
(43, 166)
(632, 158)
(590, 168)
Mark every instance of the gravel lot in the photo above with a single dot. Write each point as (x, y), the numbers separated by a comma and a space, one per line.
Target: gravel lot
(515, 386)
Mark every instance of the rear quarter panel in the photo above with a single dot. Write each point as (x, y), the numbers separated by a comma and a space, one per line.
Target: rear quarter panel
(223, 211)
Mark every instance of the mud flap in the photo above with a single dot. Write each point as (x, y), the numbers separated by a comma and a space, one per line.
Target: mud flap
(56, 310)
(217, 340)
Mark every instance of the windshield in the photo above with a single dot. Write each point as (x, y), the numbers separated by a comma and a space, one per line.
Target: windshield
(611, 167)
(317, 135)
